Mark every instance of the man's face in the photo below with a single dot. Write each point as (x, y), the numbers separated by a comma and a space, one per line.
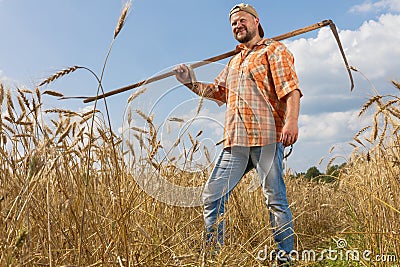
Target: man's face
(244, 26)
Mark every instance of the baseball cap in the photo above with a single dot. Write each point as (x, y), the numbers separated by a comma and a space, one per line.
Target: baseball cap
(249, 9)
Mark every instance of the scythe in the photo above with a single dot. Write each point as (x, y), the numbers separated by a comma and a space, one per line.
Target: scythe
(229, 54)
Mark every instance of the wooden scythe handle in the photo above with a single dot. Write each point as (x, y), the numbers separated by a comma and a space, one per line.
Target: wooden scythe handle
(229, 54)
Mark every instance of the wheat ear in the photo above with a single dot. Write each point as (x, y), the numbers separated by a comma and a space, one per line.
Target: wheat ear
(59, 74)
(52, 93)
(122, 19)
(1, 93)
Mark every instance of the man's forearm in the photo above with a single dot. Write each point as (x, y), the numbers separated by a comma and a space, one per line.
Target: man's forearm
(290, 130)
(293, 106)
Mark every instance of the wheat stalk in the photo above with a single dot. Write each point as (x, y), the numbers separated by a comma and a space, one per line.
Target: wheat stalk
(361, 131)
(136, 94)
(21, 136)
(62, 111)
(191, 139)
(10, 103)
(396, 84)
(21, 104)
(10, 106)
(200, 105)
(38, 96)
(153, 132)
(129, 116)
(52, 93)
(374, 132)
(199, 133)
(59, 74)
(7, 127)
(90, 113)
(140, 139)
(394, 111)
(26, 123)
(369, 103)
(207, 154)
(22, 93)
(176, 119)
(154, 150)
(382, 135)
(122, 18)
(358, 141)
(85, 119)
(65, 133)
(73, 130)
(330, 162)
(1, 94)
(138, 129)
(25, 90)
(353, 145)
(146, 117)
(21, 117)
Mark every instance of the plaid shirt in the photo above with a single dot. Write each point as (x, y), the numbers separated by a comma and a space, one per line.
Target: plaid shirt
(253, 85)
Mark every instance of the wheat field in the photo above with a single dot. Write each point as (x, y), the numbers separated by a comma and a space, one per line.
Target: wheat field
(68, 197)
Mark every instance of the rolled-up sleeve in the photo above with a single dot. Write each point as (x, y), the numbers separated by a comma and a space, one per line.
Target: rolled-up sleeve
(283, 72)
(214, 91)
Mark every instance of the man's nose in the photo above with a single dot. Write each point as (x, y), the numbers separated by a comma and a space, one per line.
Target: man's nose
(239, 25)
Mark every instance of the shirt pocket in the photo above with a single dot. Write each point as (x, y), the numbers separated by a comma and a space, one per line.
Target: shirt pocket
(258, 68)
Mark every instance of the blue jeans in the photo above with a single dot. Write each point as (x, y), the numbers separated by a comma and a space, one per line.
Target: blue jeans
(231, 166)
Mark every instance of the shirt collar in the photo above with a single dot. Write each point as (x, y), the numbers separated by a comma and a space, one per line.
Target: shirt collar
(263, 41)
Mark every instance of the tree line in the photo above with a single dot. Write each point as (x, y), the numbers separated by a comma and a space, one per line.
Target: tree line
(315, 175)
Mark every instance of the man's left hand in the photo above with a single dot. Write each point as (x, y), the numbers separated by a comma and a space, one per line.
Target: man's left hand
(290, 133)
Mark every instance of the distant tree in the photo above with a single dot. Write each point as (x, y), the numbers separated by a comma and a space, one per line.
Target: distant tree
(333, 170)
(332, 173)
(297, 175)
(312, 172)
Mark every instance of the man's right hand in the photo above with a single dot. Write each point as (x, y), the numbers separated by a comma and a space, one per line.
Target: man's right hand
(183, 74)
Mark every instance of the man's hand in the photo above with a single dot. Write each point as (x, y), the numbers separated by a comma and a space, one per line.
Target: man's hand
(290, 131)
(183, 74)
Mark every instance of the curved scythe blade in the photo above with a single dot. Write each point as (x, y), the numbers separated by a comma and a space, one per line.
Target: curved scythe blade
(335, 33)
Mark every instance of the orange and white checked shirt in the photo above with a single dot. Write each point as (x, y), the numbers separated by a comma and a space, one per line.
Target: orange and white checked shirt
(253, 85)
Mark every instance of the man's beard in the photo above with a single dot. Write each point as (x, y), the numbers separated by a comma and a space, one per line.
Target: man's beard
(246, 38)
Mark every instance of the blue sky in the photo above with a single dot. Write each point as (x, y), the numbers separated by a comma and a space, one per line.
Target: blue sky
(42, 37)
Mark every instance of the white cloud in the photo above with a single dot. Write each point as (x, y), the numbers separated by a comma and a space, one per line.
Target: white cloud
(379, 6)
(329, 112)
(3, 78)
(333, 126)
(372, 49)
(318, 133)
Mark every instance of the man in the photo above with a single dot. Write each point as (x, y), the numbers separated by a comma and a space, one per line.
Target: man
(260, 88)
